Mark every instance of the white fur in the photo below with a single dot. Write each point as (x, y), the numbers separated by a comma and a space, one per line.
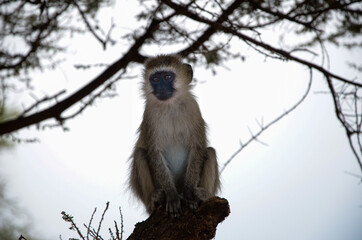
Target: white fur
(176, 159)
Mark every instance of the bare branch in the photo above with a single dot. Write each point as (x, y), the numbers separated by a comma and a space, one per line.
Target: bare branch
(281, 16)
(342, 118)
(102, 218)
(349, 136)
(90, 28)
(213, 26)
(90, 223)
(91, 232)
(55, 111)
(68, 218)
(119, 234)
(132, 55)
(38, 102)
(166, 24)
(254, 137)
(43, 30)
(217, 26)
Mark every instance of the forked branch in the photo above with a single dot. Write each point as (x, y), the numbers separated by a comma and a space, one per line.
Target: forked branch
(254, 137)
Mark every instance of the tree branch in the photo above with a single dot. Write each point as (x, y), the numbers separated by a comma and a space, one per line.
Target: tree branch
(90, 28)
(37, 42)
(340, 117)
(56, 110)
(213, 26)
(281, 16)
(254, 137)
(230, 30)
(132, 55)
(197, 225)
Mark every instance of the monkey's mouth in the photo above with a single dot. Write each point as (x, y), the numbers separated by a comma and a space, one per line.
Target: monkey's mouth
(163, 96)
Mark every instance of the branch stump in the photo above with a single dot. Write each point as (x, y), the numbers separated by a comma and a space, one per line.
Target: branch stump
(196, 225)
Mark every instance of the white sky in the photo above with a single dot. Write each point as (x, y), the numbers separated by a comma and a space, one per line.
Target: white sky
(294, 188)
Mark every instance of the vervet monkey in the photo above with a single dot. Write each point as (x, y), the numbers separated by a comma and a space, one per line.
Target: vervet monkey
(171, 163)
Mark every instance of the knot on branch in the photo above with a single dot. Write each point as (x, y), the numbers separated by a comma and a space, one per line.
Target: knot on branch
(197, 225)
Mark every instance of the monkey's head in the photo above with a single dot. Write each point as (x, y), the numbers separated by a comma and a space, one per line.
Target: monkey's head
(166, 76)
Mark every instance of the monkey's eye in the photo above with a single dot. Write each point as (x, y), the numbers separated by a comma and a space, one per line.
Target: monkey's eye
(155, 79)
(168, 77)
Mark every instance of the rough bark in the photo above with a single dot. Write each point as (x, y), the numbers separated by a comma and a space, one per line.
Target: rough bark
(196, 225)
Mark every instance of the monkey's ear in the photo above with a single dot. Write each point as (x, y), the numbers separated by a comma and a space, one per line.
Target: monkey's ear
(190, 72)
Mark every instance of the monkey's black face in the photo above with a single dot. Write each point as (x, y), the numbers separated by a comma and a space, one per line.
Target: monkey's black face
(162, 83)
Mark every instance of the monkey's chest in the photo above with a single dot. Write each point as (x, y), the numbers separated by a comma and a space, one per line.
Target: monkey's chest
(175, 156)
(173, 137)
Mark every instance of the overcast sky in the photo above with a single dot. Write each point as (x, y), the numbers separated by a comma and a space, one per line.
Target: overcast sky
(296, 187)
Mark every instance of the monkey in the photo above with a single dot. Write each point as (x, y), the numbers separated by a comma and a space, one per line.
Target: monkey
(171, 164)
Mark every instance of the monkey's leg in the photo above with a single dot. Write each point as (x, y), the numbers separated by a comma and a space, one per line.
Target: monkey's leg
(141, 180)
(209, 179)
(163, 180)
(190, 193)
(208, 182)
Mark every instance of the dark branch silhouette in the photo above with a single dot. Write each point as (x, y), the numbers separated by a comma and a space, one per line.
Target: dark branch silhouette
(316, 22)
(198, 225)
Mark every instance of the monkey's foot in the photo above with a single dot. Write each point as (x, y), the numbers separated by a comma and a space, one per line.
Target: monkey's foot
(191, 197)
(173, 203)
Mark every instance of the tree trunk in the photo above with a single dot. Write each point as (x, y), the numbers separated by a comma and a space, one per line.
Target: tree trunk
(197, 225)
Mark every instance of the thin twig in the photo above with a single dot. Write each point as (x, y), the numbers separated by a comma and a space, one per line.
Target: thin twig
(100, 222)
(349, 136)
(90, 28)
(254, 137)
(341, 118)
(234, 31)
(69, 218)
(122, 225)
(44, 99)
(90, 223)
(55, 111)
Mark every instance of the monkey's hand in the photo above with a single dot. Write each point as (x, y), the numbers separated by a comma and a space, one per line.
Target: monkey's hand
(173, 202)
(191, 197)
